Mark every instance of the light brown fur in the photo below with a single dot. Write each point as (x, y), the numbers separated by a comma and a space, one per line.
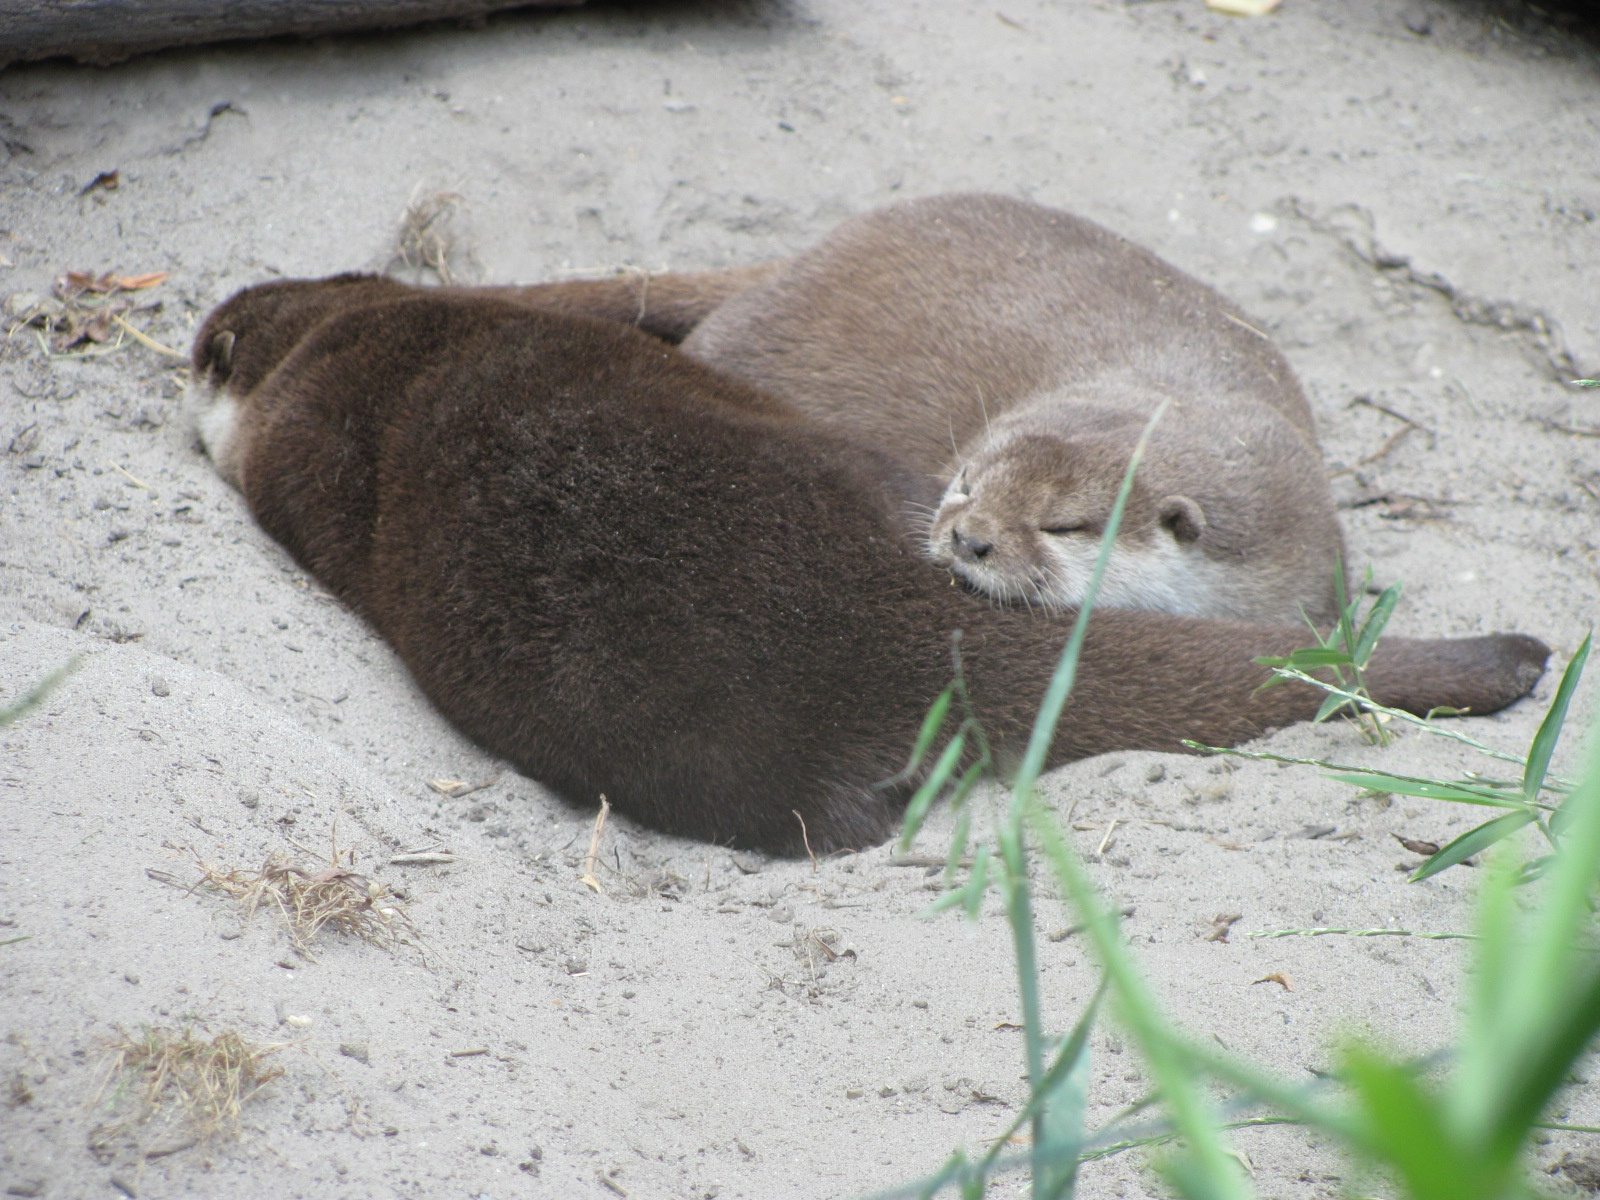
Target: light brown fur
(1017, 351)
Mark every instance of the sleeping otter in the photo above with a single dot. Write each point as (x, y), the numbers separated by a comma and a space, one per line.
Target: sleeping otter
(1011, 354)
(629, 573)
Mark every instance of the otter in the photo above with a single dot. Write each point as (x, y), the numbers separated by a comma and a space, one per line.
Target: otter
(628, 573)
(1012, 354)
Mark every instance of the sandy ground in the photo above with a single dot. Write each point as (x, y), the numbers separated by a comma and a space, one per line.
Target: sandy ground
(1407, 194)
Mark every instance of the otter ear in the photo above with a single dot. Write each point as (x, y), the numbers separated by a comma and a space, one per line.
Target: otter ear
(1183, 518)
(218, 358)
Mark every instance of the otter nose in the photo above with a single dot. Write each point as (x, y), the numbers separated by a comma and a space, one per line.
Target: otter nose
(969, 548)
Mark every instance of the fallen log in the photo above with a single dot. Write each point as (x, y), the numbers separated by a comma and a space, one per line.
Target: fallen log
(101, 32)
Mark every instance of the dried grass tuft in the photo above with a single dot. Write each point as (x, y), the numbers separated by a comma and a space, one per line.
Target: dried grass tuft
(428, 241)
(190, 1084)
(335, 897)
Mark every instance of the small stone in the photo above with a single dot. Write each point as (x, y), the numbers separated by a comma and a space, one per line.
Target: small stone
(26, 1187)
(357, 1051)
(131, 978)
(1155, 773)
(853, 1093)
(158, 687)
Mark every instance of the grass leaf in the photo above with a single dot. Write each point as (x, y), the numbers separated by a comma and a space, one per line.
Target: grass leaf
(917, 810)
(1428, 790)
(978, 884)
(1310, 659)
(931, 724)
(1472, 842)
(1404, 1127)
(1372, 628)
(1544, 742)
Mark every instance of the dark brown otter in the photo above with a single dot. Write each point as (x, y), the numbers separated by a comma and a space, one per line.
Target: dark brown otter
(633, 575)
(1011, 354)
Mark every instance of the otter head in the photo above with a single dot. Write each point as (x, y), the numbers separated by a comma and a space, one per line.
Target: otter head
(1022, 520)
(243, 341)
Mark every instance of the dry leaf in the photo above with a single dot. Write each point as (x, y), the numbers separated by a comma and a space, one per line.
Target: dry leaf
(1221, 924)
(1426, 849)
(106, 179)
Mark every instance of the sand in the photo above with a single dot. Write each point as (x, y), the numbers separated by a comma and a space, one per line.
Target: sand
(1406, 195)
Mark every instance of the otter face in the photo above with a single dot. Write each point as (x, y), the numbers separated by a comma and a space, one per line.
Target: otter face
(1022, 523)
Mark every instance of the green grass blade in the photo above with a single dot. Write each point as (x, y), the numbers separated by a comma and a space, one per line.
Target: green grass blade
(1372, 628)
(969, 896)
(1472, 842)
(1064, 1094)
(36, 695)
(1401, 1125)
(931, 724)
(1073, 1056)
(1309, 659)
(970, 778)
(1066, 673)
(977, 885)
(1400, 785)
(1544, 742)
(958, 844)
(1330, 706)
(1533, 980)
(1174, 1070)
(1570, 1032)
(935, 783)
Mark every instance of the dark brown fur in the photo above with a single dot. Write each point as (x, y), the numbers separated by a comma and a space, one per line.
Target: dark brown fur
(632, 575)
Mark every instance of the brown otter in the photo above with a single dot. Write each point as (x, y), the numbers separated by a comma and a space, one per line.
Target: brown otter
(1013, 353)
(629, 573)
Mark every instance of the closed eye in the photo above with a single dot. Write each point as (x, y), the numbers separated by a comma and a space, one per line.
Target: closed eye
(1063, 530)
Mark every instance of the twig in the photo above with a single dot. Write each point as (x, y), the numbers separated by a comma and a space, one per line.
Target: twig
(925, 860)
(134, 479)
(144, 339)
(1575, 430)
(806, 838)
(589, 860)
(1390, 442)
(1246, 325)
